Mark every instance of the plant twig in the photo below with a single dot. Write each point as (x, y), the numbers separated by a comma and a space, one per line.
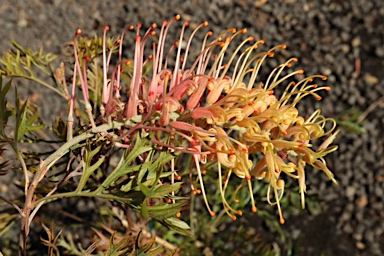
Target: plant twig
(370, 108)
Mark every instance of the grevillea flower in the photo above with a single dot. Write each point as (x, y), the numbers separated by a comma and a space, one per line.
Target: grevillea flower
(214, 107)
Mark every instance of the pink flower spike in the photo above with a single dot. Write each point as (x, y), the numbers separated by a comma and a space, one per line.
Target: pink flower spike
(153, 84)
(119, 63)
(203, 24)
(131, 109)
(105, 94)
(71, 103)
(175, 71)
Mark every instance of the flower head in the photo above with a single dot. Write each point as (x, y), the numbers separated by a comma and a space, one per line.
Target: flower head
(215, 107)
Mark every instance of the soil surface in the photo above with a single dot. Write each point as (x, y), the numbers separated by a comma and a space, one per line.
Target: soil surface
(341, 39)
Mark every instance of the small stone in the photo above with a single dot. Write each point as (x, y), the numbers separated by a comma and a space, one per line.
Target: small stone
(357, 236)
(345, 48)
(361, 201)
(370, 79)
(379, 51)
(379, 178)
(350, 191)
(360, 245)
(259, 3)
(356, 42)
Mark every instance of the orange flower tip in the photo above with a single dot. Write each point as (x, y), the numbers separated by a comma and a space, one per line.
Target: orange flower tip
(164, 23)
(277, 170)
(232, 30)
(318, 97)
(324, 77)
(239, 212)
(186, 23)
(256, 111)
(150, 57)
(314, 85)
(137, 38)
(178, 215)
(245, 149)
(250, 38)
(138, 25)
(204, 23)
(282, 221)
(254, 209)
(181, 59)
(261, 41)
(236, 200)
(247, 176)
(106, 28)
(177, 17)
(294, 59)
(300, 71)
(204, 171)
(270, 54)
(78, 31)
(212, 213)
(198, 191)
(284, 132)
(117, 41)
(152, 33)
(127, 62)
(327, 88)
(154, 25)
(283, 46)
(233, 217)
(270, 92)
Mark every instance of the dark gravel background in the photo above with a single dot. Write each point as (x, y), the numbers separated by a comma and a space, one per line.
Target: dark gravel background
(341, 39)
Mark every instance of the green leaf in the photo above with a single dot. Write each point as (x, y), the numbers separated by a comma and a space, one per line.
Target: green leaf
(4, 112)
(19, 62)
(144, 210)
(177, 223)
(178, 226)
(128, 157)
(163, 211)
(164, 189)
(20, 118)
(89, 168)
(25, 118)
(120, 248)
(146, 247)
(145, 190)
(8, 217)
